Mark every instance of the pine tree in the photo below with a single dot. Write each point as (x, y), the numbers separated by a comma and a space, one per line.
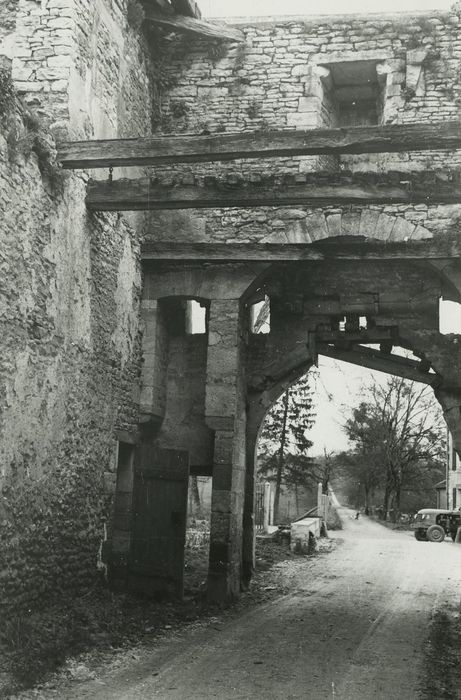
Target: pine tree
(284, 442)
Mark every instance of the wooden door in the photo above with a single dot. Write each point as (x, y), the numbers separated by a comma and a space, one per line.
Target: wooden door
(161, 481)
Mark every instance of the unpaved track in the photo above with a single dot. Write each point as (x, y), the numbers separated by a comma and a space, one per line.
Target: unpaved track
(353, 628)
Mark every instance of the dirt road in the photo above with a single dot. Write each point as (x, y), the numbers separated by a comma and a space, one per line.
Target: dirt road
(352, 628)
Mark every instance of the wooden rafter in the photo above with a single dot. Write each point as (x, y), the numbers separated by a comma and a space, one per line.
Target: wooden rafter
(191, 25)
(384, 362)
(196, 149)
(309, 190)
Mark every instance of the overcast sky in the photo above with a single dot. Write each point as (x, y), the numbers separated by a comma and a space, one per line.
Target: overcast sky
(252, 8)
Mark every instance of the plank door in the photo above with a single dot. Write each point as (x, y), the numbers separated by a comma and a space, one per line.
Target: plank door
(161, 480)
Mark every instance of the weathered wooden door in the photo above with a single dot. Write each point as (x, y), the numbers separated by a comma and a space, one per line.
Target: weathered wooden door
(159, 520)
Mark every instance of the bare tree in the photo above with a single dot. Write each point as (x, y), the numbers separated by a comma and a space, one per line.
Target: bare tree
(399, 432)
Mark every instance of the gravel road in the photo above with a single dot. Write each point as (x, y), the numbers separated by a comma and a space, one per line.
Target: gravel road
(353, 627)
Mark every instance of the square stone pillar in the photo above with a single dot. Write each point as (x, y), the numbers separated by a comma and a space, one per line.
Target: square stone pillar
(226, 415)
(155, 357)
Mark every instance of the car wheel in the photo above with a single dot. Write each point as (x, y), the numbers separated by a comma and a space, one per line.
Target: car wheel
(435, 533)
(419, 536)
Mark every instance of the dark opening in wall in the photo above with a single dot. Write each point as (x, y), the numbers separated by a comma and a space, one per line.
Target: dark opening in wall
(121, 529)
(196, 317)
(125, 466)
(185, 316)
(260, 316)
(355, 93)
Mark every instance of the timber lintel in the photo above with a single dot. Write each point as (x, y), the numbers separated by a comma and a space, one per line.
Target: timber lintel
(192, 148)
(289, 252)
(312, 189)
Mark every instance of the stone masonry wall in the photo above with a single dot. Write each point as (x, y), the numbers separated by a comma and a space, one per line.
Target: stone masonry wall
(70, 291)
(277, 80)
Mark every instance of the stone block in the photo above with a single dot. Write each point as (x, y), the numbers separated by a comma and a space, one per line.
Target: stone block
(309, 104)
(52, 73)
(222, 501)
(301, 69)
(402, 230)
(317, 226)
(221, 400)
(384, 227)
(59, 61)
(420, 233)
(368, 223)
(304, 534)
(350, 223)
(306, 120)
(333, 224)
(297, 232)
(224, 448)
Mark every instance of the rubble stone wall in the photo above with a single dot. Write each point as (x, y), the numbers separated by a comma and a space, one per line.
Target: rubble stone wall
(71, 288)
(278, 79)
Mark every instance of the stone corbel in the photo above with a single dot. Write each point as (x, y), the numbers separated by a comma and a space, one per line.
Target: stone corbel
(415, 81)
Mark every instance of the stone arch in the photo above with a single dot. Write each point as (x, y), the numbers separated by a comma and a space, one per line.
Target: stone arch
(302, 227)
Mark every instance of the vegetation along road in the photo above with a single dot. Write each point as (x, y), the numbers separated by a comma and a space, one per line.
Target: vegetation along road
(373, 619)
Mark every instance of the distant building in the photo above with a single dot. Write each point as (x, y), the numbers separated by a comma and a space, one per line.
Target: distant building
(453, 481)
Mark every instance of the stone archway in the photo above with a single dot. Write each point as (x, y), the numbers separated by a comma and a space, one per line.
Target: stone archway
(317, 225)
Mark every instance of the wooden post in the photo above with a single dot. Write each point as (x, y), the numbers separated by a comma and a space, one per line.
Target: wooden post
(267, 506)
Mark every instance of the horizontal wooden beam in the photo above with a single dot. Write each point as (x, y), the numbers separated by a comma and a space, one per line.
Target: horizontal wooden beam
(193, 26)
(192, 148)
(388, 363)
(146, 194)
(292, 252)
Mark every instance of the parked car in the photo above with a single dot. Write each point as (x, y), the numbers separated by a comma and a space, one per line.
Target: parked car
(432, 524)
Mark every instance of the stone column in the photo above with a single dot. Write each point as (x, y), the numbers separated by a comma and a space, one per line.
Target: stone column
(155, 357)
(248, 538)
(225, 414)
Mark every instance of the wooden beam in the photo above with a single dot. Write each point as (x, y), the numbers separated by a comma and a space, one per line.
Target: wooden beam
(192, 26)
(292, 252)
(390, 364)
(192, 148)
(146, 194)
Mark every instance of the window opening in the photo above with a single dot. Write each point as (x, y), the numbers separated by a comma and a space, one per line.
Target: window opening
(195, 317)
(449, 317)
(355, 93)
(260, 316)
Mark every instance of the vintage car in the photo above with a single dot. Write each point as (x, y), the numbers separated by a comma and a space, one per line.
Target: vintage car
(432, 524)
